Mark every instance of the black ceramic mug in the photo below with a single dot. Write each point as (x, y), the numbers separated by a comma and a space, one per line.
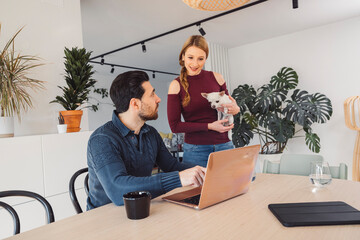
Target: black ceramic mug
(137, 204)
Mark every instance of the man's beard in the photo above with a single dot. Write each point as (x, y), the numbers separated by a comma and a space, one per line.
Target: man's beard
(149, 116)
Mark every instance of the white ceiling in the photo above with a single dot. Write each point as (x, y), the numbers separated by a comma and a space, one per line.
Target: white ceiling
(112, 24)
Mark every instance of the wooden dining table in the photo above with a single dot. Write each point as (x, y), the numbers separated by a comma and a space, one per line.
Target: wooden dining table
(243, 217)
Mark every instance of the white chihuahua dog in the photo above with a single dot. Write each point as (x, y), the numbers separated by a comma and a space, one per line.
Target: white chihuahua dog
(216, 99)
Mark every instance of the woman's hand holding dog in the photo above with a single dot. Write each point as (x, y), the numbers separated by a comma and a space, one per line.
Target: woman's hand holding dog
(219, 126)
(233, 108)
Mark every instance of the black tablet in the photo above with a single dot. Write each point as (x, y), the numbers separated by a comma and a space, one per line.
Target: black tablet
(315, 213)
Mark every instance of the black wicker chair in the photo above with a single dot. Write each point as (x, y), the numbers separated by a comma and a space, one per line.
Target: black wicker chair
(13, 193)
(72, 192)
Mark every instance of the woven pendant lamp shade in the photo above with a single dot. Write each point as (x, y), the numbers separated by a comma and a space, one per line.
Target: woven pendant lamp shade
(215, 5)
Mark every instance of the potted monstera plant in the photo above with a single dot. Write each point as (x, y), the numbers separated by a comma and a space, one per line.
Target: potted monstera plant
(76, 95)
(15, 84)
(277, 112)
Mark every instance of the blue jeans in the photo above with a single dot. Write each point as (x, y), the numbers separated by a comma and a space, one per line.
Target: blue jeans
(199, 154)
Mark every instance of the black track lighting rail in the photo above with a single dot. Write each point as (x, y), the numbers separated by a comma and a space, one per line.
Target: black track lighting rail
(136, 68)
(197, 23)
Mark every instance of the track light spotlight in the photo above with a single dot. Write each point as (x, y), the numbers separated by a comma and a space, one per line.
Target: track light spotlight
(153, 74)
(112, 69)
(295, 4)
(102, 60)
(143, 47)
(201, 30)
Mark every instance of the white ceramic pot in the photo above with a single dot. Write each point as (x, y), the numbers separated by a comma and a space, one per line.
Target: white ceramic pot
(6, 127)
(62, 128)
(270, 157)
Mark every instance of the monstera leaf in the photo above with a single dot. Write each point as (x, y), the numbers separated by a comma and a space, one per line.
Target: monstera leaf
(264, 119)
(313, 142)
(322, 107)
(281, 129)
(269, 98)
(251, 120)
(244, 95)
(242, 133)
(286, 78)
(300, 109)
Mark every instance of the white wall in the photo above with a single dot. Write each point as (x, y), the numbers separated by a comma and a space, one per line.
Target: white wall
(104, 77)
(50, 25)
(327, 60)
(161, 84)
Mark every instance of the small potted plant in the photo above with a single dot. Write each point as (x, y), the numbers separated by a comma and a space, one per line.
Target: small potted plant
(275, 117)
(79, 81)
(62, 127)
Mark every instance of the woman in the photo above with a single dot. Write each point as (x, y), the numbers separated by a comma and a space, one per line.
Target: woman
(203, 132)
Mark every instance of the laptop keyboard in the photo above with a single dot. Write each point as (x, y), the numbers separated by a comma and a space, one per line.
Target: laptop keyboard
(193, 200)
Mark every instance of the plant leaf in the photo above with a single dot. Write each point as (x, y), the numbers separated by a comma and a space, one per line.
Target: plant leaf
(242, 133)
(300, 109)
(269, 98)
(313, 142)
(281, 129)
(322, 107)
(251, 120)
(286, 78)
(244, 96)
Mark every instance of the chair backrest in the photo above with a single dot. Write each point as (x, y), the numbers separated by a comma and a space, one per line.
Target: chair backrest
(48, 209)
(297, 164)
(340, 172)
(271, 167)
(300, 165)
(72, 192)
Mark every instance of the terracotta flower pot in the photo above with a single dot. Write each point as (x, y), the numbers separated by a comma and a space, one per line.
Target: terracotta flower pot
(72, 119)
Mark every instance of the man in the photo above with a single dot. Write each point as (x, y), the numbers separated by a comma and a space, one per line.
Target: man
(122, 152)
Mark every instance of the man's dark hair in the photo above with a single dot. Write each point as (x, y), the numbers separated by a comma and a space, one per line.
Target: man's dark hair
(125, 87)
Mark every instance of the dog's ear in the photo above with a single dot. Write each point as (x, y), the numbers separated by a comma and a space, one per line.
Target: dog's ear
(204, 95)
(222, 93)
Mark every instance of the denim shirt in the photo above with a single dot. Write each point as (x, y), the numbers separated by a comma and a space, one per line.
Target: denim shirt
(121, 162)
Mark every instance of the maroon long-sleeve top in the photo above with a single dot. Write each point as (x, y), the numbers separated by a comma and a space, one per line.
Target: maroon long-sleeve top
(198, 113)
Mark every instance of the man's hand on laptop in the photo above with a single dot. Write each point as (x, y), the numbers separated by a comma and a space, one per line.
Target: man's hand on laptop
(192, 176)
